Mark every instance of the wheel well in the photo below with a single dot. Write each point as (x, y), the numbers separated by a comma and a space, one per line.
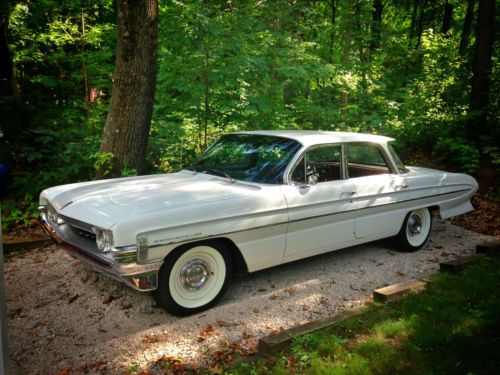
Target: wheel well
(434, 210)
(240, 266)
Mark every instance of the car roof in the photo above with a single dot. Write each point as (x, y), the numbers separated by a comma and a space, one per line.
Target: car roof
(313, 137)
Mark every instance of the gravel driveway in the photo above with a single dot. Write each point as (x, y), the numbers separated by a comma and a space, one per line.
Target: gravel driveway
(61, 317)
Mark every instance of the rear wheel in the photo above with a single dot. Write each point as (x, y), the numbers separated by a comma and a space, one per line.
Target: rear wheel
(415, 230)
(194, 278)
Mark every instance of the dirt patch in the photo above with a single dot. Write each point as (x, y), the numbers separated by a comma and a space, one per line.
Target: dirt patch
(484, 219)
(62, 318)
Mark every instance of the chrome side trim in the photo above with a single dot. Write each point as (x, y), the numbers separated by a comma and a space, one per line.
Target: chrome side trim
(205, 236)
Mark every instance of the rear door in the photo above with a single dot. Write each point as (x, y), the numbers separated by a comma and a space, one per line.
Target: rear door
(380, 192)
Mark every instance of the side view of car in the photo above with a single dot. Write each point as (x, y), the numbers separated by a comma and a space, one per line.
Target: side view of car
(253, 200)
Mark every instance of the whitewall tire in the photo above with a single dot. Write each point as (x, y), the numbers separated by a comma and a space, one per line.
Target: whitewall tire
(194, 278)
(415, 230)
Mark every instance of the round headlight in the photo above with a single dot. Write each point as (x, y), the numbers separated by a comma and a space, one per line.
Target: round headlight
(104, 240)
(52, 214)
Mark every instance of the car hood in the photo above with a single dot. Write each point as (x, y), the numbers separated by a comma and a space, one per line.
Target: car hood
(104, 203)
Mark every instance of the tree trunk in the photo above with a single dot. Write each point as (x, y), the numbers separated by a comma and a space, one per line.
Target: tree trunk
(345, 60)
(363, 51)
(481, 69)
(420, 23)
(127, 127)
(206, 98)
(467, 27)
(413, 19)
(376, 25)
(332, 32)
(7, 68)
(86, 90)
(447, 17)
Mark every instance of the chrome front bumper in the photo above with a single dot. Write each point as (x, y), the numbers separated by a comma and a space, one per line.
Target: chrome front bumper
(141, 277)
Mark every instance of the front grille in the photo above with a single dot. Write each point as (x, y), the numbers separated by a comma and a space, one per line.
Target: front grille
(83, 233)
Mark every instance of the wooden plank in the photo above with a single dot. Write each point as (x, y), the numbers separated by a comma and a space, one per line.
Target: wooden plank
(275, 343)
(397, 290)
(26, 243)
(3, 321)
(490, 248)
(456, 266)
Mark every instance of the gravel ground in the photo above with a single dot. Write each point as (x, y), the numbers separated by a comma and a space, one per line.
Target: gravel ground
(62, 317)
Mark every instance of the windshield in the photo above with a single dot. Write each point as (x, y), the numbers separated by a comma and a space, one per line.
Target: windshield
(397, 160)
(248, 157)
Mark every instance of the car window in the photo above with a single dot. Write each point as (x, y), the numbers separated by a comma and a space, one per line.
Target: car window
(321, 163)
(365, 160)
(397, 160)
(248, 157)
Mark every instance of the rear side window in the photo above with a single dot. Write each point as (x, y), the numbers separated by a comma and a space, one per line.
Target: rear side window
(365, 160)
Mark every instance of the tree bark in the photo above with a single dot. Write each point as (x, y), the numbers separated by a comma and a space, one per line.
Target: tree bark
(376, 25)
(363, 51)
(345, 60)
(420, 23)
(332, 32)
(447, 17)
(413, 19)
(477, 125)
(86, 90)
(467, 27)
(127, 127)
(7, 68)
(206, 83)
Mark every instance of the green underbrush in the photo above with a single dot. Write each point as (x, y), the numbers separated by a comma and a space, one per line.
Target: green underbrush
(450, 328)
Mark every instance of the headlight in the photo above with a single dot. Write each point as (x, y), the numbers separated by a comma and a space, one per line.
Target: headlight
(104, 240)
(53, 215)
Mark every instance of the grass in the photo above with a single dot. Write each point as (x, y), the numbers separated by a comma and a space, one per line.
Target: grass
(450, 328)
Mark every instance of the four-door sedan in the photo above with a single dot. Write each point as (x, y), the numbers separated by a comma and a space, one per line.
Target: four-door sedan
(253, 200)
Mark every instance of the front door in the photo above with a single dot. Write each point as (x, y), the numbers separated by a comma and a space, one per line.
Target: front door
(320, 204)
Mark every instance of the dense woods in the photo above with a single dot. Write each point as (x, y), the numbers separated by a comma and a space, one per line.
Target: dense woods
(425, 72)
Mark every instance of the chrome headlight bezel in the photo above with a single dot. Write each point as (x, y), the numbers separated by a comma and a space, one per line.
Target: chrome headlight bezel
(53, 216)
(103, 239)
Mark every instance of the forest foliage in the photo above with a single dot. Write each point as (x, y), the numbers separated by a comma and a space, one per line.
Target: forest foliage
(400, 68)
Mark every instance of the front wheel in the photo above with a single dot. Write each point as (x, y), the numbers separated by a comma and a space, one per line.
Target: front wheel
(415, 230)
(193, 279)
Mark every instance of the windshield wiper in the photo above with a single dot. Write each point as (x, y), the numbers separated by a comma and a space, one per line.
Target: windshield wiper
(212, 171)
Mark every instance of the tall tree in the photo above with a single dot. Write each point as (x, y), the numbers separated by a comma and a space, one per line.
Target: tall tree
(421, 18)
(7, 69)
(447, 17)
(376, 25)
(413, 23)
(127, 127)
(482, 68)
(467, 27)
(333, 17)
(346, 53)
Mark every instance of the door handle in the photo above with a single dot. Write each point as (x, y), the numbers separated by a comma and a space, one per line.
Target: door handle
(349, 193)
(401, 187)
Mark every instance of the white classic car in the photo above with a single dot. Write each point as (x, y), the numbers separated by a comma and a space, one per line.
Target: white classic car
(253, 200)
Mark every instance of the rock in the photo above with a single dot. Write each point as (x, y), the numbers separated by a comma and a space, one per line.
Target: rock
(107, 298)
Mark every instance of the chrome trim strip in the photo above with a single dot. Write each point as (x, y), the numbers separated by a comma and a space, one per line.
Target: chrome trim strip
(77, 223)
(298, 220)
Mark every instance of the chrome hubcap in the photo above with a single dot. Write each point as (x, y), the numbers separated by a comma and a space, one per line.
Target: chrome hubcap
(194, 274)
(415, 225)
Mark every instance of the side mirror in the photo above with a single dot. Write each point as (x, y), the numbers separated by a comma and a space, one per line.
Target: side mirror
(311, 181)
